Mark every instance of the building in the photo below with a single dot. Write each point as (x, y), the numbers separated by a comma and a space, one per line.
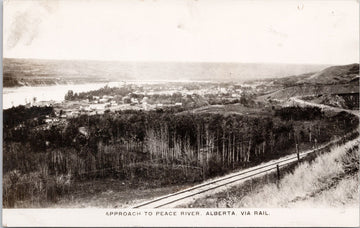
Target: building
(103, 100)
(97, 107)
(134, 101)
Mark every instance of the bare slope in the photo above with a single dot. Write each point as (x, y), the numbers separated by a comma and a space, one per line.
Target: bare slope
(332, 80)
(334, 75)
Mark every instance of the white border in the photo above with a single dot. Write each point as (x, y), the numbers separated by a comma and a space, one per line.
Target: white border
(325, 217)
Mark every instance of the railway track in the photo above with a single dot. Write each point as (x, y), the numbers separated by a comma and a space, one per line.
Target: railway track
(219, 184)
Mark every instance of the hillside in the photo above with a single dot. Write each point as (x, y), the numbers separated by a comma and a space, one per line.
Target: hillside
(334, 75)
(313, 90)
(31, 72)
(330, 180)
(328, 76)
(332, 80)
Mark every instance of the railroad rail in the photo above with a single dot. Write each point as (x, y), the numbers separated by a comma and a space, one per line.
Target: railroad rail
(179, 197)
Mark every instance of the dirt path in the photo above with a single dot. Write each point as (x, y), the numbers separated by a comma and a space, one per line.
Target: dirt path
(322, 106)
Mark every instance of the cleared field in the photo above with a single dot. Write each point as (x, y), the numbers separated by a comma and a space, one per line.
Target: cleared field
(228, 110)
(111, 194)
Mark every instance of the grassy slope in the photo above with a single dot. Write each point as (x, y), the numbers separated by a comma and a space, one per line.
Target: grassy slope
(331, 180)
(307, 90)
(106, 193)
(334, 75)
(332, 80)
(111, 194)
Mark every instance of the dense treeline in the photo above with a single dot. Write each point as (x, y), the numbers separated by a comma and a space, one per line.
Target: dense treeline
(106, 90)
(191, 139)
(17, 115)
(163, 147)
(296, 113)
(351, 101)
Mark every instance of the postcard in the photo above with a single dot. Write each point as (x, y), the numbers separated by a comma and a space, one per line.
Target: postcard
(180, 113)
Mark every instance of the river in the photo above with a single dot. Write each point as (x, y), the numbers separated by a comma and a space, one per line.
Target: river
(15, 96)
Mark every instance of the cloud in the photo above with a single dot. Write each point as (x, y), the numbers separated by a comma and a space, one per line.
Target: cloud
(26, 23)
(24, 27)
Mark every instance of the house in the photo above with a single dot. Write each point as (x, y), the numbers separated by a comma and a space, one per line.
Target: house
(126, 100)
(97, 106)
(145, 100)
(134, 101)
(86, 109)
(103, 100)
(223, 90)
(146, 106)
(49, 120)
(107, 97)
(44, 103)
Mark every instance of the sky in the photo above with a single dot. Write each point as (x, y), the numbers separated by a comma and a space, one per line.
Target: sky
(276, 31)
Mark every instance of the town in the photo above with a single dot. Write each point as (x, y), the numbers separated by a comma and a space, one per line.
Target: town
(177, 97)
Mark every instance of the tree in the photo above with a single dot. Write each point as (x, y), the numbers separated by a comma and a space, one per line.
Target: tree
(70, 95)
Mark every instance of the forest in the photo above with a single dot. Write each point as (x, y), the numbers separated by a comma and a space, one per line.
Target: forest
(150, 148)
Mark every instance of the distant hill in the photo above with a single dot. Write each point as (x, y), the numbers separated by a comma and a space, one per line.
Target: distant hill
(332, 80)
(19, 72)
(327, 76)
(334, 75)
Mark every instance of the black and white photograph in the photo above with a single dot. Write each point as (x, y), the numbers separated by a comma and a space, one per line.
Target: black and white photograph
(160, 113)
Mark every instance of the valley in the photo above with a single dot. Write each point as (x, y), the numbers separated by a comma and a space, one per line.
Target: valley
(142, 140)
